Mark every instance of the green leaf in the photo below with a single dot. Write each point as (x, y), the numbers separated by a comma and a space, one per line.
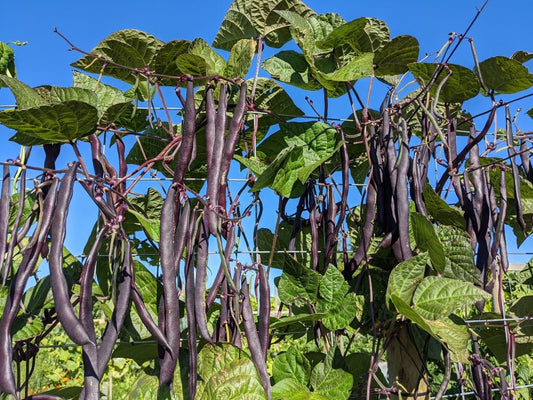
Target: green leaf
(298, 284)
(300, 318)
(459, 261)
(291, 67)
(25, 327)
(291, 389)
(251, 19)
(129, 47)
(358, 67)
(522, 56)
(291, 364)
(110, 102)
(269, 95)
(56, 123)
(442, 212)
(25, 96)
(144, 388)
(7, 62)
(393, 58)
(139, 352)
(504, 75)
(240, 58)
(226, 372)
(460, 86)
(437, 297)
(147, 210)
(333, 285)
(406, 276)
(362, 34)
(306, 146)
(331, 382)
(192, 64)
(426, 240)
(215, 64)
(164, 62)
(36, 297)
(340, 312)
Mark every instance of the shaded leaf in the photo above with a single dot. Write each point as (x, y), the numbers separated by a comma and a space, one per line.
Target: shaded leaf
(362, 34)
(56, 123)
(522, 56)
(426, 240)
(129, 47)
(442, 212)
(461, 83)
(298, 284)
(7, 62)
(394, 56)
(300, 318)
(25, 96)
(505, 75)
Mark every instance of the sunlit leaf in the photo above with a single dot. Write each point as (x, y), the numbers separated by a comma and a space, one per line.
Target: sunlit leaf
(406, 276)
(394, 56)
(362, 34)
(291, 67)
(25, 96)
(240, 58)
(426, 240)
(251, 19)
(437, 297)
(505, 75)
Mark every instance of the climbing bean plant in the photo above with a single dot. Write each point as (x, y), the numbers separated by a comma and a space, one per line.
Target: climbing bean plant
(367, 245)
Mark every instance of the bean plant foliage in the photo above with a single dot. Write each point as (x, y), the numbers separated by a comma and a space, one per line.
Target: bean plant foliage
(367, 247)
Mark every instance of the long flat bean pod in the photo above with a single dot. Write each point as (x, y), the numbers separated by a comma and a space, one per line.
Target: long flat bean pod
(90, 355)
(16, 290)
(254, 344)
(402, 198)
(170, 291)
(188, 134)
(65, 312)
(110, 336)
(4, 212)
(514, 168)
(264, 309)
(201, 276)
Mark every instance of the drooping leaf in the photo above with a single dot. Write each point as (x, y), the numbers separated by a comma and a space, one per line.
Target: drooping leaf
(504, 75)
(164, 61)
(25, 96)
(362, 34)
(147, 211)
(291, 67)
(240, 58)
(437, 297)
(442, 212)
(298, 284)
(227, 372)
(426, 240)
(300, 318)
(251, 19)
(26, 327)
(406, 276)
(7, 62)
(522, 56)
(393, 58)
(461, 83)
(459, 261)
(341, 311)
(56, 123)
(129, 47)
(291, 364)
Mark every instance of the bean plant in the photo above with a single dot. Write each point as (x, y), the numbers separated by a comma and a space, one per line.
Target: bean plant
(385, 234)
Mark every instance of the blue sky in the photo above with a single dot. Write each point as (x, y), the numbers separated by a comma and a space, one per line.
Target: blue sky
(503, 28)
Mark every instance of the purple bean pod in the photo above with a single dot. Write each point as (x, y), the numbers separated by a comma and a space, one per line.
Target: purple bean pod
(65, 312)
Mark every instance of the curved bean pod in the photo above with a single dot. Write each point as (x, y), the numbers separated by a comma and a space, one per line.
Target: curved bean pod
(201, 276)
(65, 312)
(4, 212)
